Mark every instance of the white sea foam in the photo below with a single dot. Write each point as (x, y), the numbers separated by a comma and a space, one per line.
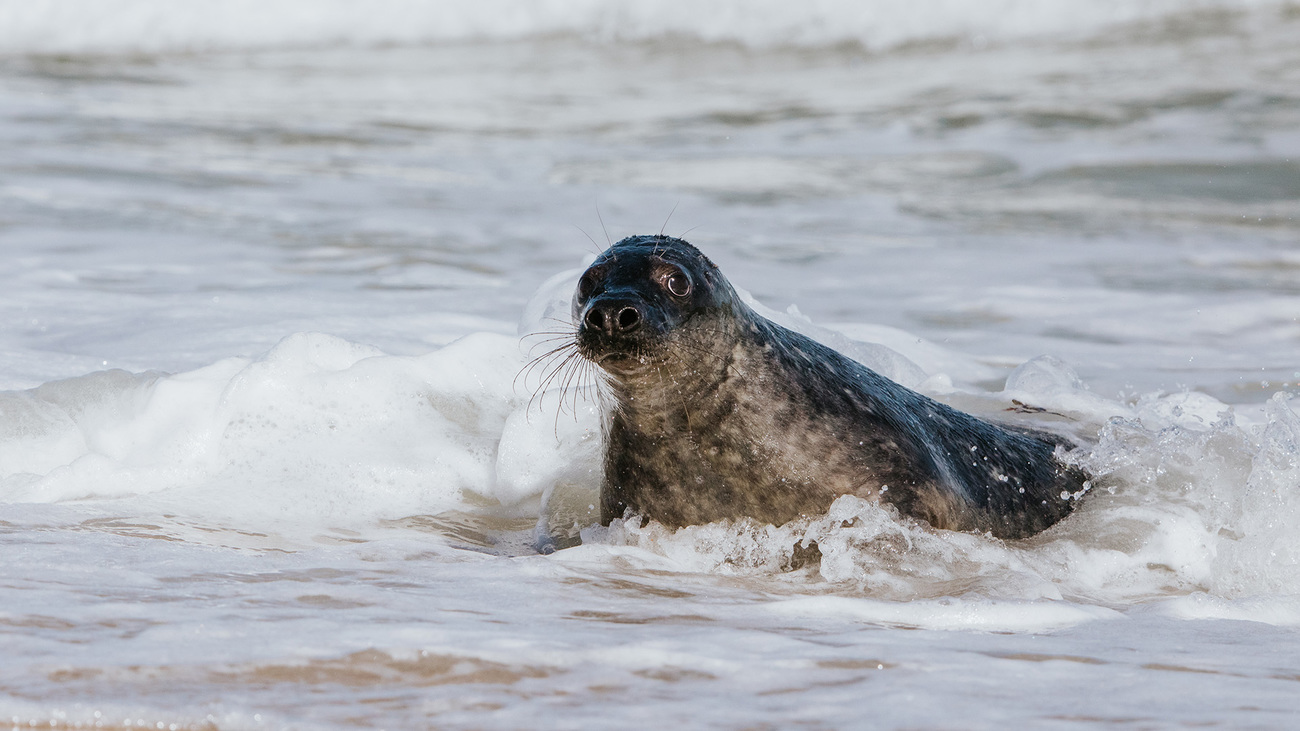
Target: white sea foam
(318, 431)
(97, 26)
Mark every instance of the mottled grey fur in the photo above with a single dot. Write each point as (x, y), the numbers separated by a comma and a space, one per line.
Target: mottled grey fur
(719, 413)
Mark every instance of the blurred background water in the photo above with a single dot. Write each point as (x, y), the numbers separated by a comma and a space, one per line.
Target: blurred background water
(326, 530)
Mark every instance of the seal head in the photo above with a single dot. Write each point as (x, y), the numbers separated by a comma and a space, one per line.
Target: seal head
(718, 413)
(633, 302)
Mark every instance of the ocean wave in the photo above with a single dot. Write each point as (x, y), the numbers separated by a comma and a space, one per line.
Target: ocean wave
(154, 26)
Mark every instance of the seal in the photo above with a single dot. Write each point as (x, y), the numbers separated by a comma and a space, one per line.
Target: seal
(719, 413)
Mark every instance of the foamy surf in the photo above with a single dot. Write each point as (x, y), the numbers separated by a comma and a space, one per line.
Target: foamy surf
(317, 431)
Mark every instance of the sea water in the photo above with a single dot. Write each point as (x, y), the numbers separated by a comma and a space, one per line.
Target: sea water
(272, 456)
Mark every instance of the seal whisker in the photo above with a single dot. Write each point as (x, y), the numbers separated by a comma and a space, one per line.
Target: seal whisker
(571, 367)
(602, 225)
(558, 369)
(541, 360)
(546, 342)
(539, 395)
(562, 323)
(589, 238)
(575, 383)
(670, 217)
(548, 363)
(566, 328)
(549, 337)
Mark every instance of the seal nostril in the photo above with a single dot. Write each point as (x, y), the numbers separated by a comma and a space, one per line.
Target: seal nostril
(628, 318)
(596, 318)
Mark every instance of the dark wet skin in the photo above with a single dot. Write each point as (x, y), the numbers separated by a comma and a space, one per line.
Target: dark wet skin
(720, 413)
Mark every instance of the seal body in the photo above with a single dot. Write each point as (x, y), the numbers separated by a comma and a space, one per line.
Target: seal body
(718, 413)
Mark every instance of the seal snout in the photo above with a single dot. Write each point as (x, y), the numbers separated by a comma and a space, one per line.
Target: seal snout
(613, 317)
(618, 331)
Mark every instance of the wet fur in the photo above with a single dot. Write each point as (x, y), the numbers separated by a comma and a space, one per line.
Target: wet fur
(717, 412)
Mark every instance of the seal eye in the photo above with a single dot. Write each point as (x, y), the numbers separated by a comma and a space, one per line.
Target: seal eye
(678, 284)
(586, 285)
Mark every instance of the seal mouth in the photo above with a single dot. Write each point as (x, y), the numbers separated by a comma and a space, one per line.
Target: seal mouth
(619, 362)
(618, 359)
(616, 350)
